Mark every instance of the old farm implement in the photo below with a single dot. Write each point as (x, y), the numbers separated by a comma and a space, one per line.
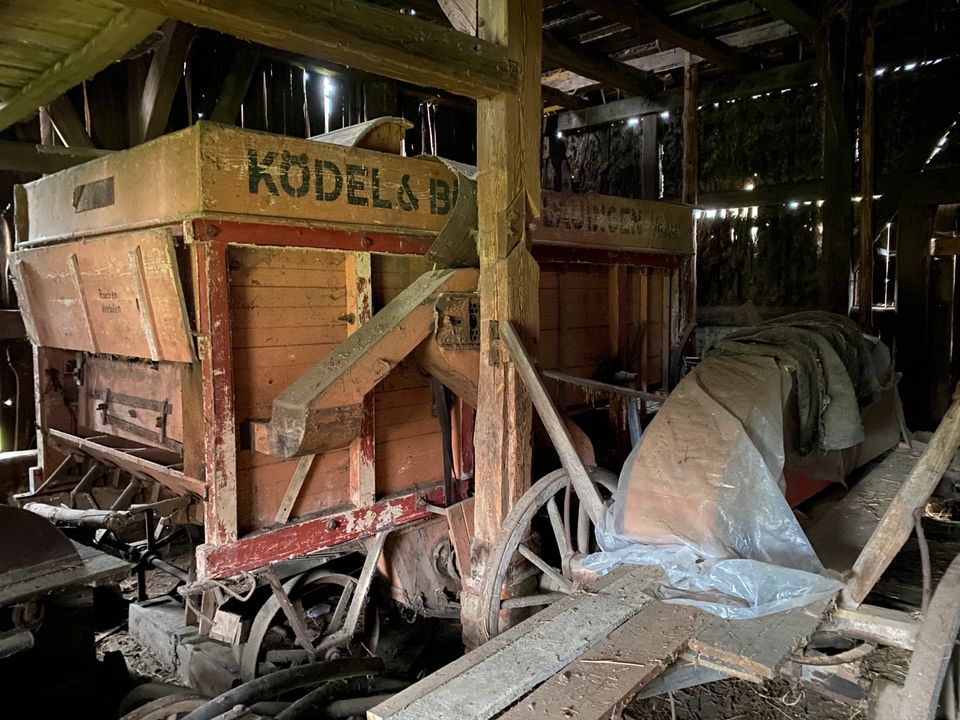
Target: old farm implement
(278, 339)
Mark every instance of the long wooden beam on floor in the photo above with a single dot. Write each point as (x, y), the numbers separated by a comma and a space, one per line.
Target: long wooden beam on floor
(127, 29)
(358, 34)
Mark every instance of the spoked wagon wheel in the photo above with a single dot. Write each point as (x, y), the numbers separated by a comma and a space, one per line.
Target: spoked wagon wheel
(324, 597)
(932, 687)
(549, 529)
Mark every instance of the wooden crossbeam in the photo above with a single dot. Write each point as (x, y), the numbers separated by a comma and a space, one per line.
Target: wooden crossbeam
(163, 78)
(235, 85)
(29, 158)
(358, 34)
(68, 124)
(725, 88)
(123, 32)
(792, 13)
(646, 17)
(599, 67)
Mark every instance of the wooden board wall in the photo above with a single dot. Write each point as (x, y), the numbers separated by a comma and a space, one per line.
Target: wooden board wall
(580, 310)
(289, 309)
(409, 445)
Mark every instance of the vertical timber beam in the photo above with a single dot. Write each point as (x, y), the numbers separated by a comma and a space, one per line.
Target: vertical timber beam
(691, 86)
(216, 358)
(508, 197)
(865, 285)
(914, 227)
(836, 77)
(650, 157)
(363, 448)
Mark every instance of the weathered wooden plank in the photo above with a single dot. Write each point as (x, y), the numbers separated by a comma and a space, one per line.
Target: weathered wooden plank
(603, 221)
(600, 67)
(755, 649)
(357, 34)
(898, 521)
(293, 489)
(599, 683)
(363, 449)
(791, 12)
(67, 121)
(844, 530)
(490, 678)
(123, 32)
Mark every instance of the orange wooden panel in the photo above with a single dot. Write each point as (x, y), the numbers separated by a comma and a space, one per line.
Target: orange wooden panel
(260, 487)
(408, 462)
(117, 295)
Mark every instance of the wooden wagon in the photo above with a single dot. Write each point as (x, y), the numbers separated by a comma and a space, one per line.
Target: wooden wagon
(278, 338)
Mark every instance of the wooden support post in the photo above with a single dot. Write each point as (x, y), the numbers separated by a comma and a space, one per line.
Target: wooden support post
(508, 195)
(838, 142)
(898, 521)
(650, 157)
(216, 358)
(914, 228)
(363, 448)
(508, 154)
(691, 83)
(865, 285)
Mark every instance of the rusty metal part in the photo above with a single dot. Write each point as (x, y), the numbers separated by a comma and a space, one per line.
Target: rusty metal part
(15, 641)
(514, 540)
(933, 657)
(253, 648)
(34, 556)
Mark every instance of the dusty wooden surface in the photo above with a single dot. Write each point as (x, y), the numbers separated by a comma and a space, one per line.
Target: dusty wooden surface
(492, 677)
(756, 649)
(605, 678)
(842, 533)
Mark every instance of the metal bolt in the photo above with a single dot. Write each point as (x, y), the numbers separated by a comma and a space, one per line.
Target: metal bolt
(331, 524)
(211, 230)
(421, 503)
(366, 242)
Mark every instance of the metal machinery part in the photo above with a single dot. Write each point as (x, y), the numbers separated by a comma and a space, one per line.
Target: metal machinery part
(47, 657)
(549, 529)
(321, 624)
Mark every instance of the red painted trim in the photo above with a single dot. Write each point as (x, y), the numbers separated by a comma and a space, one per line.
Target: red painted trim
(216, 358)
(228, 231)
(599, 256)
(307, 536)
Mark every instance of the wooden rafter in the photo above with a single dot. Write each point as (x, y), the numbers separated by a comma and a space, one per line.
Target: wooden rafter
(68, 124)
(128, 28)
(356, 34)
(163, 78)
(792, 13)
(599, 67)
(235, 85)
(644, 16)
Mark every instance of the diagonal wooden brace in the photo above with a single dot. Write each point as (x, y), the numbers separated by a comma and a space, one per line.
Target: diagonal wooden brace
(322, 409)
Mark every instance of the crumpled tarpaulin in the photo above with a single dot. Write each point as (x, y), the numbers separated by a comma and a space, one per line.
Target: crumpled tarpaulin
(702, 494)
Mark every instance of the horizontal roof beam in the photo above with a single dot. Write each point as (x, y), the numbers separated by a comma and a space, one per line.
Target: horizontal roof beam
(599, 67)
(723, 88)
(644, 17)
(357, 34)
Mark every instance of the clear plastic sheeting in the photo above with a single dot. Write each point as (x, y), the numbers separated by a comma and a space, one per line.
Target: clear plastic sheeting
(701, 496)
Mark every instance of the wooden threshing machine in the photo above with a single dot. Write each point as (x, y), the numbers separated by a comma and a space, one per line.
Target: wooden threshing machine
(278, 338)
